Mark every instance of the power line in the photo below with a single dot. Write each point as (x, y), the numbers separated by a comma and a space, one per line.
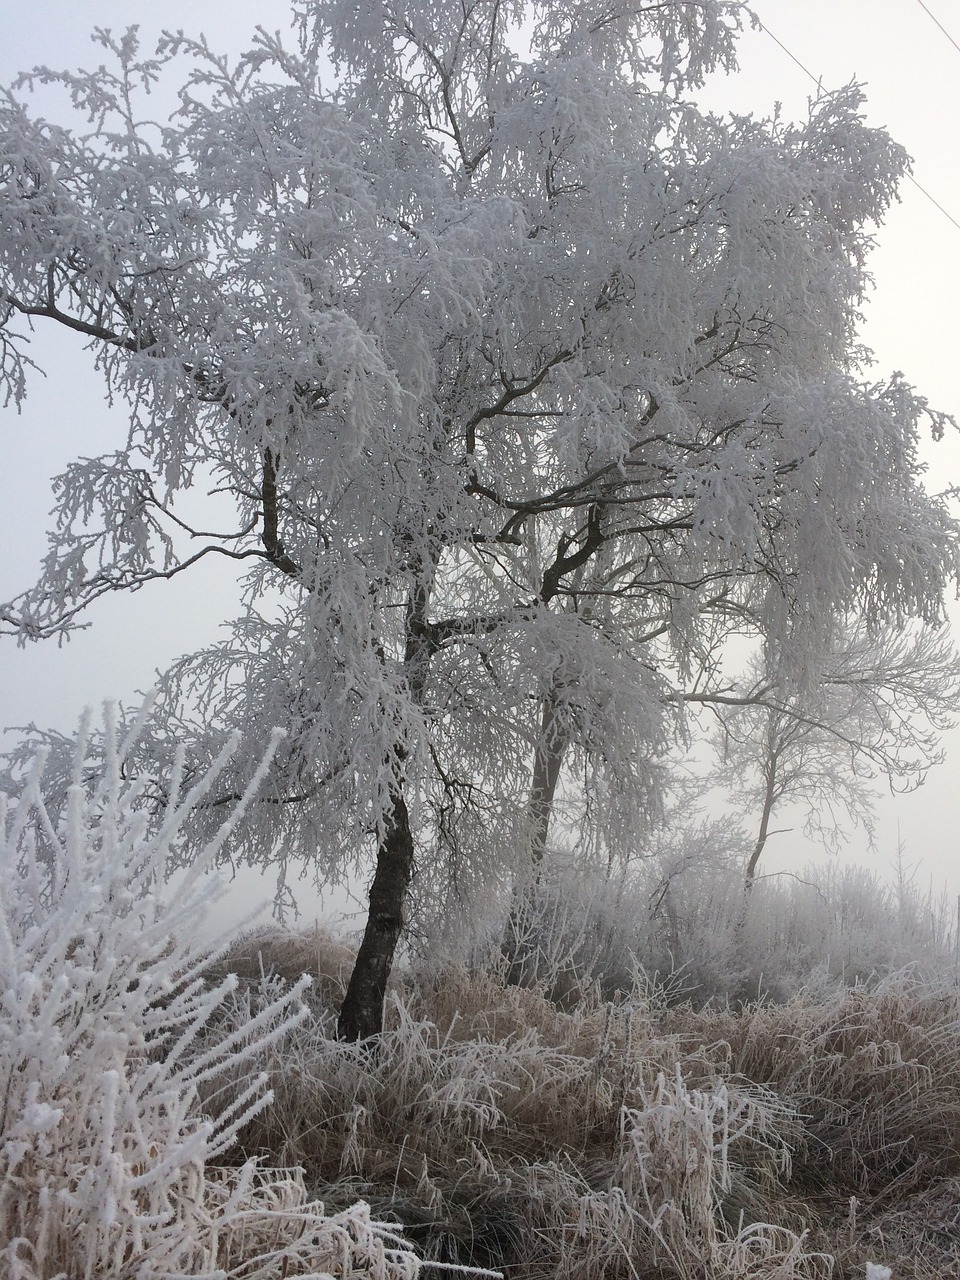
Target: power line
(806, 70)
(936, 203)
(819, 83)
(935, 19)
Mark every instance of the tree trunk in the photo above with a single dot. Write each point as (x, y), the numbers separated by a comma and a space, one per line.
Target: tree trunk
(769, 801)
(361, 1014)
(770, 797)
(547, 761)
(519, 943)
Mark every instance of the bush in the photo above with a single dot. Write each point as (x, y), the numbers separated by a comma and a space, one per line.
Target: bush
(683, 932)
(110, 1035)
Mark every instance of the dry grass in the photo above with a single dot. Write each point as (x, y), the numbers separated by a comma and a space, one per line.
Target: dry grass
(630, 1139)
(920, 1237)
(875, 1073)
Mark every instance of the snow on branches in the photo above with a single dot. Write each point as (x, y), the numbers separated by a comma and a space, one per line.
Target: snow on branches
(529, 383)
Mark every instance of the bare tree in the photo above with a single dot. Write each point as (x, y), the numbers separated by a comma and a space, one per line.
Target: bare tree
(873, 707)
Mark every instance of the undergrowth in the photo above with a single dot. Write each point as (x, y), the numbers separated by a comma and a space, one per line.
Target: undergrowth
(125, 1075)
(630, 1138)
(170, 1109)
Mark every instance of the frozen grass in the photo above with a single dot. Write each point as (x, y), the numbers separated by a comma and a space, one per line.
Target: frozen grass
(110, 1037)
(635, 1138)
(548, 1131)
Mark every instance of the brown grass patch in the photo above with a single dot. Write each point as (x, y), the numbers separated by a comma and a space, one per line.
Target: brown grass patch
(634, 1140)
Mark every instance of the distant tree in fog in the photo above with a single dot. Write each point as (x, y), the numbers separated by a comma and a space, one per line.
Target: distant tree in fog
(871, 707)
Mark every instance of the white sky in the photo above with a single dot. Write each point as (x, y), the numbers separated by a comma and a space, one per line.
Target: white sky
(911, 71)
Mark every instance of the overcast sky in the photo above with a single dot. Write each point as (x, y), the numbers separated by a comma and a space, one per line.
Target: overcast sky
(911, 70)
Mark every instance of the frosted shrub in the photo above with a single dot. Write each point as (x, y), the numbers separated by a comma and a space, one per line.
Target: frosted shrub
(108, 1032)
(683, 1152)
(678, 929)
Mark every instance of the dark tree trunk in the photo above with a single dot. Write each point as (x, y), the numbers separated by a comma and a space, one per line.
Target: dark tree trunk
(361, 1015)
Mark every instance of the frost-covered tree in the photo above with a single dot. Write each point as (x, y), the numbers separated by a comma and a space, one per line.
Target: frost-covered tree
(528, 382)
(873, 705)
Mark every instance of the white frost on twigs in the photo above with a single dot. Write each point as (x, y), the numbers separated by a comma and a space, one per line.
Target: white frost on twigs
(107, 1031)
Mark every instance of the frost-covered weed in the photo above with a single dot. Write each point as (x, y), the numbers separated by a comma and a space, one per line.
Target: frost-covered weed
(680, 1151)
(108, 1036)
(632, 1140)
(679, 930)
